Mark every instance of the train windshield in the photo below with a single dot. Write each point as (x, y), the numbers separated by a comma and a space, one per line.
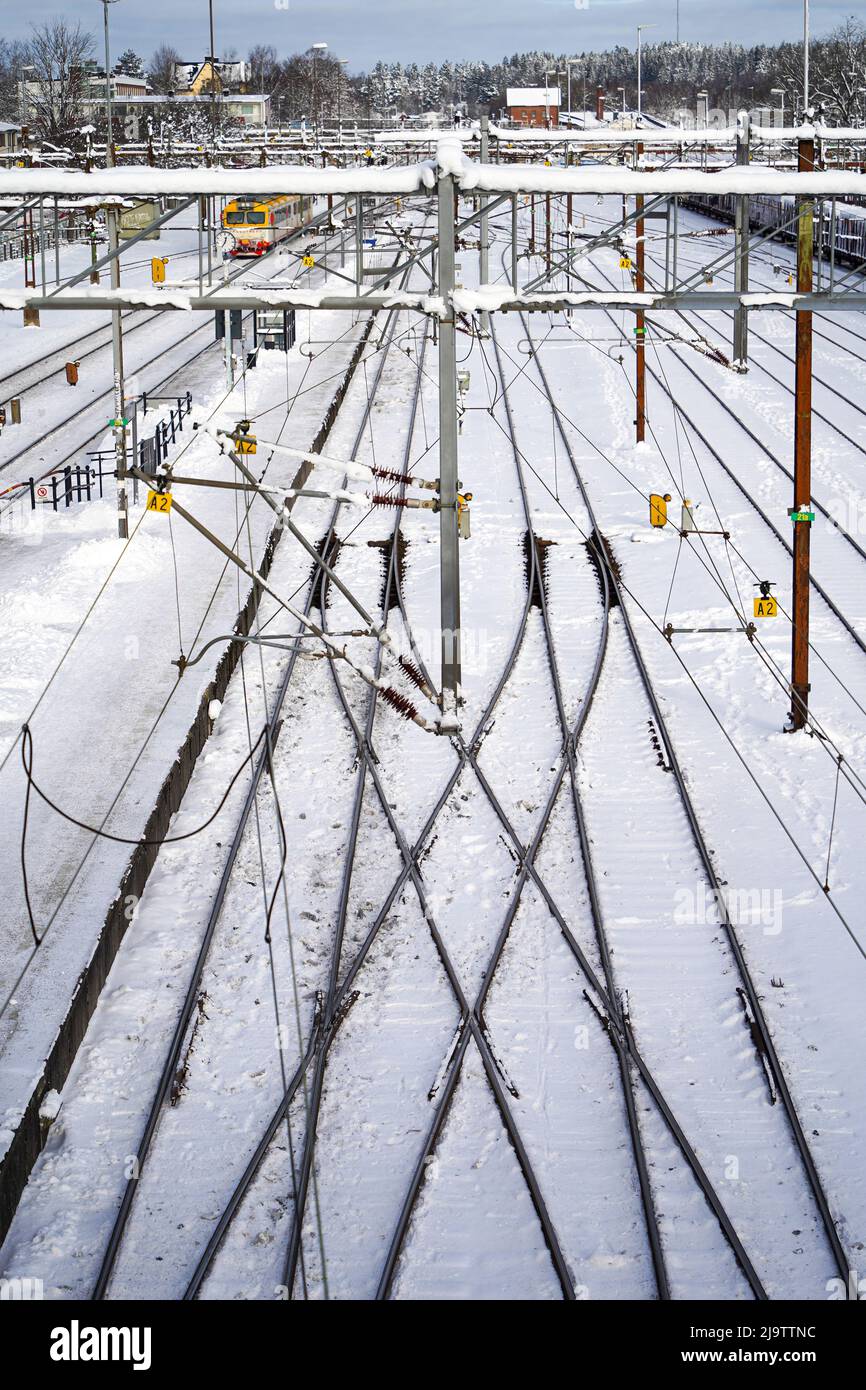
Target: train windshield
(245, 216)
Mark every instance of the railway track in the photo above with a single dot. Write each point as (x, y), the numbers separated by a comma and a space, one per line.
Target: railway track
(472, 1026)
(59, 429)
(674, 1249)
(735, 476)
(249, 812)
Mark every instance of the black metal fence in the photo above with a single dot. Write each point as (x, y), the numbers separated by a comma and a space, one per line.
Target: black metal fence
(83, 483)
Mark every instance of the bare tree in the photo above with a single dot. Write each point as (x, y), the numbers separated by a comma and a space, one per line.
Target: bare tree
(161, 68)
(57, 52)
(264, 67)
(840, 72)
(13, 57)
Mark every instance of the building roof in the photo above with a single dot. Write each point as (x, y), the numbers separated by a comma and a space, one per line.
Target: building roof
(6, 125)
(532, 96)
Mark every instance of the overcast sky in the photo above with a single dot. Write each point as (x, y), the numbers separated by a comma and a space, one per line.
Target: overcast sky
(423, 30)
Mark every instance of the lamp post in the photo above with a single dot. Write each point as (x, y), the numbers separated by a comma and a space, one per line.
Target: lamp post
(622, 89)
(805, 57)
(109, 151)
(23, 104)
(779, 92)
(317, 49)
(341, 64)
(116, 326)
(212, 56)
(640, 29)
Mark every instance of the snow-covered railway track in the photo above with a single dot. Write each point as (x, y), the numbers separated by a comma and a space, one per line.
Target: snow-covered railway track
(35, 375)
(853, 581)
(56, 436)
(741, 1102)
(190, 1031)
(233, 866)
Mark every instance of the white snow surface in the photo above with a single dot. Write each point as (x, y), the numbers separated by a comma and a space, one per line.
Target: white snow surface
(475, 1232)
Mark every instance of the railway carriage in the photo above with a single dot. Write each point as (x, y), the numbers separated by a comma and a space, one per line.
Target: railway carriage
(769, 211)
(256, 225)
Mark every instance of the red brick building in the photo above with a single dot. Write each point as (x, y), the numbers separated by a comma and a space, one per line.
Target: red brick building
(533, 106)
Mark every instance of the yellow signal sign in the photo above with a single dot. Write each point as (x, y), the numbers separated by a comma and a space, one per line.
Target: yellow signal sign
(244, 443)
(308, 261)
(157, 269)
(658, 505)
(625, 262)
(159, 502)
(766, 607)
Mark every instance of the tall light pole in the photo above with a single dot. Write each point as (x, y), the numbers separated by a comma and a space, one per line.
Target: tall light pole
(779, 92)
(640, 29)
(341, 64)
(116, 326)
(212, 56)
(317, 49)
(805, 57)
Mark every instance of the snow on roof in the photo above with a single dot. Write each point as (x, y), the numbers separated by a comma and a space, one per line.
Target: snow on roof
(532, 96)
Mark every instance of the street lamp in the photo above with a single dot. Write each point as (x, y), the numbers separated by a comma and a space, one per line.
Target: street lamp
(341, 64)
(805, 57)
(640, 29)
(23, 103)
(109, 149)
(317, 49)
(779, 92)
(622, 89)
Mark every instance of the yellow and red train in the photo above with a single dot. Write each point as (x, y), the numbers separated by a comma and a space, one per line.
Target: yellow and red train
(256, 225)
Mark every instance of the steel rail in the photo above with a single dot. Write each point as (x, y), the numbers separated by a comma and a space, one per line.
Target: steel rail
(470, 1023)
(768, 1044)
(714, 453)
(56, 429)
(571, 739)
(526, 859)
(169, 1066)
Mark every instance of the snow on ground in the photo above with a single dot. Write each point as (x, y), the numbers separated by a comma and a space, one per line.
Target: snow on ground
(115, 712)
(475, 1232)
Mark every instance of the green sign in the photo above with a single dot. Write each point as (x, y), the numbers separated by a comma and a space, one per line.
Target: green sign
(802, 516)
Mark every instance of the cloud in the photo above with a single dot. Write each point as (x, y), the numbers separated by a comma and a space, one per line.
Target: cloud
(365, 31)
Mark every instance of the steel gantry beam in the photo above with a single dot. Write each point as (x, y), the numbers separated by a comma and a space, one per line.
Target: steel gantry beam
(495, 185)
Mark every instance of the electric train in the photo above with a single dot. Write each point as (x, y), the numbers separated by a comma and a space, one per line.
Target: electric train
(256, 225)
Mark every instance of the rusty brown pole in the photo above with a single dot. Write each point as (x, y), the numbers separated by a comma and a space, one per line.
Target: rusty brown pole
(640, 324)
(547, 231)
(802, 454)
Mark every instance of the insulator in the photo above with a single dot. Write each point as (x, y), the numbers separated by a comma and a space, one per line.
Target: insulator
(392, 475)
(400, 703)
(411, 670)
(385, 499)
